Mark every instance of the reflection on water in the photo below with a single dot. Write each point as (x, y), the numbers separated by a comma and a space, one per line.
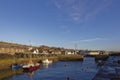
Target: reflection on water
(45, 65)
(31, 75)
(5, 73)
(73, 70)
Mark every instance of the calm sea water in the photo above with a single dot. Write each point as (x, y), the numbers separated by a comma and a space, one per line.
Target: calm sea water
(78, 70)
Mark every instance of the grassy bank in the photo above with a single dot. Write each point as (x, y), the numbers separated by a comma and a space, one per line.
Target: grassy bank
(70, 57)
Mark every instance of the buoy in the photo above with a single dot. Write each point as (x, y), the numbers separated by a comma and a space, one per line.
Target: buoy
(68, 78)
(65, 65)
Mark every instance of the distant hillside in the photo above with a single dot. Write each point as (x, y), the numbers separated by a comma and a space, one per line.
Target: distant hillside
(11, 45)
(11, 48)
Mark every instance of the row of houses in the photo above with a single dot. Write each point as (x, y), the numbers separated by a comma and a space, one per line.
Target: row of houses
(58, 52)
(13, 50)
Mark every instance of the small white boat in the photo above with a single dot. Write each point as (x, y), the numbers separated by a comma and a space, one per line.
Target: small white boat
(46, 61)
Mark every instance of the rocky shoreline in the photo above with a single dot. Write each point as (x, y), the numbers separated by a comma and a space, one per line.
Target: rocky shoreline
(110, 70)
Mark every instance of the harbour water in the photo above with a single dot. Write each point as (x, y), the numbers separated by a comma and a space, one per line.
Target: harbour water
(74, 70)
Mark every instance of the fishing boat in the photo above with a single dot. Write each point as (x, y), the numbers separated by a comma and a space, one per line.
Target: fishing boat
(46, 61)
(30, 67)
(16, 66)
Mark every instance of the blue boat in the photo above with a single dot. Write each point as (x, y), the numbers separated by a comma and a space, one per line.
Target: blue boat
(16, 67)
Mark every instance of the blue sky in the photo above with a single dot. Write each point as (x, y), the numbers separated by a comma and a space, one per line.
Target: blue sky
(90, 24)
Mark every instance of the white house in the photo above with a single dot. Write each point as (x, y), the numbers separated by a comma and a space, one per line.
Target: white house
(69, 52)
(36, 51)
(94, 53)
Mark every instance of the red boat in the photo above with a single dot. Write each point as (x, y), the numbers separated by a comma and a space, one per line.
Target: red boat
(30, 67)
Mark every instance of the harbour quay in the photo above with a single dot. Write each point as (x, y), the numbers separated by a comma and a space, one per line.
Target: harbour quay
(110, 70)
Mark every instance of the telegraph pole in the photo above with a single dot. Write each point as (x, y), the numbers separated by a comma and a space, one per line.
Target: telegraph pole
(75, 47)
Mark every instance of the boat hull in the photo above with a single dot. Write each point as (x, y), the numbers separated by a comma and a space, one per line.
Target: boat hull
(15, 67)
(31, 68)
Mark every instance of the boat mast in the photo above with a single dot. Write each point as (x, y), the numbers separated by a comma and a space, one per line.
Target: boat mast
(30, 48)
